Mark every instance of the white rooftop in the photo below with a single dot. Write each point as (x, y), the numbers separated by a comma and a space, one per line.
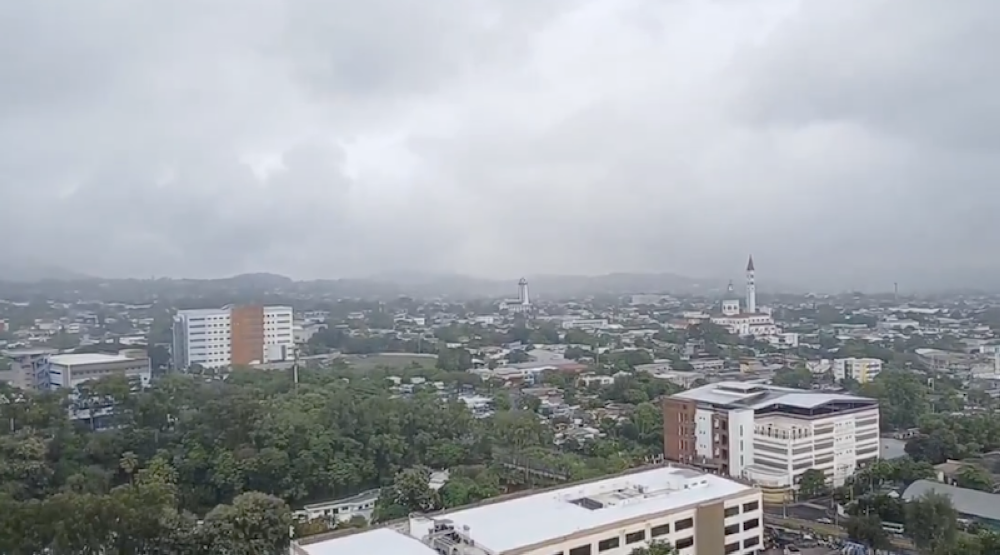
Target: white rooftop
(86, 358)
(549, 515)
(757, 396)
(373, 542)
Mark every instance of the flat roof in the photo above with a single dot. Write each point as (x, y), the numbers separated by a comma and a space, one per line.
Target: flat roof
(967, 502)
(202, 311)
(27, 352)
(372, 542)
(758, 396)
(87, 358)
(546, 516)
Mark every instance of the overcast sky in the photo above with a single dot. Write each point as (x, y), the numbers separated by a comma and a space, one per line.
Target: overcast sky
(835, 140)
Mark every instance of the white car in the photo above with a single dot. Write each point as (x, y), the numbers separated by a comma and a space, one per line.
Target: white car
(792, 550)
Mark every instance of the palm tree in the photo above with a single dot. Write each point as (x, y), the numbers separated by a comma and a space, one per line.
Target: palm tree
(655, 548)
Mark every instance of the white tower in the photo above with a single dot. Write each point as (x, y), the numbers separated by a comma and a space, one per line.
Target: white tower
(751, 288)
(522, 292)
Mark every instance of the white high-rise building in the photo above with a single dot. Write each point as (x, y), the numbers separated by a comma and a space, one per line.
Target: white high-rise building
(232, 335)
(279, 341)
(751, 288)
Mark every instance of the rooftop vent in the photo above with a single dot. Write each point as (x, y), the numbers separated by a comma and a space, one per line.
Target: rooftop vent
(587, 503)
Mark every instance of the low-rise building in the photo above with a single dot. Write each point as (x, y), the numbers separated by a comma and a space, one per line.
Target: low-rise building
(861, 370)
(361, 505)
(697, 513)
(74, 369)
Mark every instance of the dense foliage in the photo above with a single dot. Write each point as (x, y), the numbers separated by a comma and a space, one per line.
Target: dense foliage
(931, 522)
(249, 447)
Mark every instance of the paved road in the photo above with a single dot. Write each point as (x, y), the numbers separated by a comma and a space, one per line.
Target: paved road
(799, 512)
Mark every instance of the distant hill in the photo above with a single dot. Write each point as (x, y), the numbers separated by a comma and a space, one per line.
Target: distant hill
(620, 284)
(265, 287)
(26, 271)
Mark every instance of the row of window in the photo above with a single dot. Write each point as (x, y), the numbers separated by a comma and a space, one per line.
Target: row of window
(747, 507)
(747, 525)
(614, 543)
(747, 544)
(639, 536)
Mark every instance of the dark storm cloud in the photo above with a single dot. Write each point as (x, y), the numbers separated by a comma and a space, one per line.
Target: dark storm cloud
(842, 142)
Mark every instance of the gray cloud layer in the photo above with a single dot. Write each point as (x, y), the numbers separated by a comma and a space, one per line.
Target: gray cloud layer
(848, 142)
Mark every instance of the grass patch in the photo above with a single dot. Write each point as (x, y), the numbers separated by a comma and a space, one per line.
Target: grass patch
(392, 361)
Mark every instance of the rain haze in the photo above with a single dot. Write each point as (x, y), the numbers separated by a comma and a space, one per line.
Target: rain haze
(847, 143)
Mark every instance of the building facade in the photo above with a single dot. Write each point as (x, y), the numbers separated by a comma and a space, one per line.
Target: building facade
(27, 368)
(232, 335)
(71, 370)
(696, 513)
(770, 435)
(862, 370)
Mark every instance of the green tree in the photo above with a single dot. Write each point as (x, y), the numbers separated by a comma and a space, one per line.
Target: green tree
(655, 548)
(409, 493)
(974, 477)
(903, 398)
(812, 484)
(253, 524)
(799, 378)
(931, 522)
(462, 490)
(867, 529)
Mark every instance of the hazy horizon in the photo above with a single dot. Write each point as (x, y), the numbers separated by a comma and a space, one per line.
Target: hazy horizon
(844, 144)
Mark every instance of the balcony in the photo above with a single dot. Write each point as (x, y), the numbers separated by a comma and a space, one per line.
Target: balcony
(785, 434)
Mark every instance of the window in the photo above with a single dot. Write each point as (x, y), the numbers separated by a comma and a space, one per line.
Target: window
(732, 547)
(582, 550)
(683, 524)
(750, 542)
(751, 506)
(685, 543)
(751, 524)
(732, 511)
(661, 530)
(864, 450)
(636, 537)
(609, 543)
(732, 529)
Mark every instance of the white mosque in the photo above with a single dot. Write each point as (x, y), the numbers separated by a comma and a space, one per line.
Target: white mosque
(748, 319)
(522, 304)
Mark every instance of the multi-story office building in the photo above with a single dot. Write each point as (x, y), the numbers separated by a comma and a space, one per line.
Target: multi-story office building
(27, 368)
(697, 513)
(44, 369)
(71, 370)
(232, 335)
(862, 370)
(770, 435)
